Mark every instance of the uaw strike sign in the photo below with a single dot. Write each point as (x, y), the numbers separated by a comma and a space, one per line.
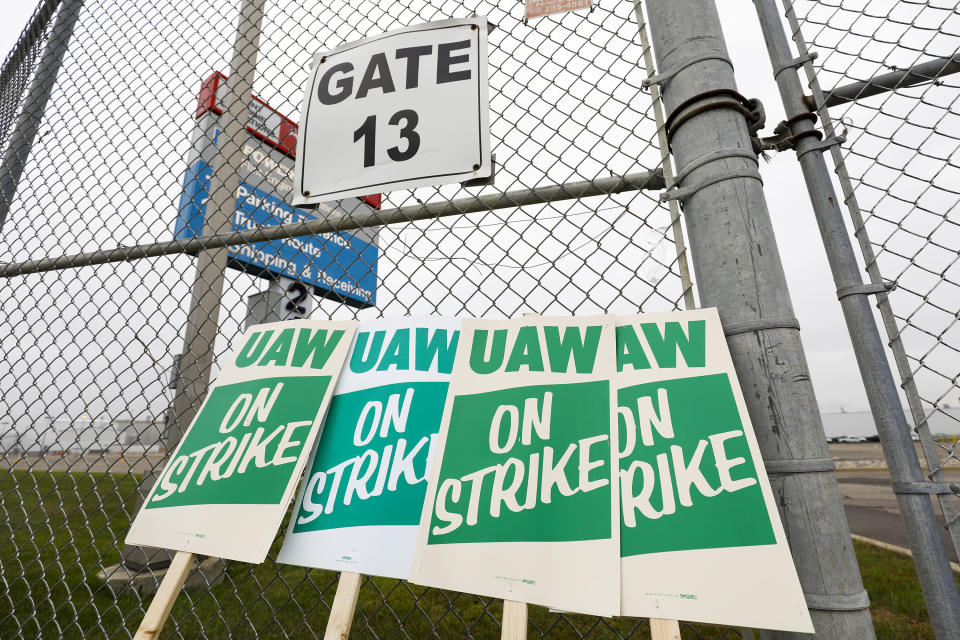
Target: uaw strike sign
(701, 538)
(403, 109)
(362, 495)
(522, 502)
(227, 485)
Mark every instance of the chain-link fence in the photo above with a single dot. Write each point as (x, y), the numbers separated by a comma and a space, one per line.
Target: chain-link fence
(885, 70)
(89, 349)
(109, 127)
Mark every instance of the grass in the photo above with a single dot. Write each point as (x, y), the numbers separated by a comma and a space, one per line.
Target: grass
(59, 529)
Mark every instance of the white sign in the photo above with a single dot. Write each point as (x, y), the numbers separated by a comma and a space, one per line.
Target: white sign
(522, 502)
(226, 487)
(404, 109)
(701, 538)
(361, 498)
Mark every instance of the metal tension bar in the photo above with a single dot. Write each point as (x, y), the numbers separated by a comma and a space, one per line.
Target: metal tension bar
(651, 180)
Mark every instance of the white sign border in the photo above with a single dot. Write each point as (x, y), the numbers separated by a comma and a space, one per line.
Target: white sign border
(471, 567)
(215, 529)
(483, 125)
(765, 592)
(362, 548)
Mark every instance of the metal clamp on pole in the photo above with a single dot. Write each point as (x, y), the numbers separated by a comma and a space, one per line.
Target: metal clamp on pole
(824, 602)
(865, 289)
(752, 109)
(795, 63)
(809, 465)
(824, 144)
(733, 328)
(713, 156)
(945, 488)
(663, 78)
(680, 193)
(783, 137)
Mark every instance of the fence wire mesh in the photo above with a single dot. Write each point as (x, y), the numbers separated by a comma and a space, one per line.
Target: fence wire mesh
(19, 64)
(88, 352)
(899, 170)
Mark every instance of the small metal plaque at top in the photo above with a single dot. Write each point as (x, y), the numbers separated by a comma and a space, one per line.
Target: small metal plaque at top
(537, 8)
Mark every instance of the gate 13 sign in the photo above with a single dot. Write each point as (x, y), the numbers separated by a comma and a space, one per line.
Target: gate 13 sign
(362, 495)
(522, 502)
(701, 538)
(227, 485)
(404, 109)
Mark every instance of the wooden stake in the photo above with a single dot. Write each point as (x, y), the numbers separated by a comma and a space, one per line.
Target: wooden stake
(344, 606)
(514, 624)
(166, 595)
(661, 629)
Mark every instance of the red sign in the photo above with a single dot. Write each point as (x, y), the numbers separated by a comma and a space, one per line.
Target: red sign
(537, 8)
(264, 121)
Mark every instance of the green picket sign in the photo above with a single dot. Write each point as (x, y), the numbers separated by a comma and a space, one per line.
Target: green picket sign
(243, 443)
(551, 462)
(694, 486)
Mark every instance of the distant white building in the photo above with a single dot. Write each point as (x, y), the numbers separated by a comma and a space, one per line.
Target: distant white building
(82, 435)
(147, 434)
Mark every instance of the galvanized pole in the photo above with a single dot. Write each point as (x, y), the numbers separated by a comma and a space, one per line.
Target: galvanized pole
(923, 530)
(739, 271)
(203, 320)
(35, 103)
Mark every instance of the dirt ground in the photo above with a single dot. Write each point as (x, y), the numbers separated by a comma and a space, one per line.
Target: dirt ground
(868, 498)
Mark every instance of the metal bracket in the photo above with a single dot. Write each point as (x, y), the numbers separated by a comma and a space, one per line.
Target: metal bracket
(809, 465)
(760, 324)
(824, 602)
(752, 109)
(484, 182)
(825, 144)
(865, 289)
(679, 193)
(783, 138)
(713, 156)
(793, 64)
(662, 78)
(943, 488)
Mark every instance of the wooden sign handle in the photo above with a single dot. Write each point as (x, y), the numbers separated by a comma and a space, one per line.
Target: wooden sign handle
(661, 629)
(344, 606)
(166, 595)
(514, 624)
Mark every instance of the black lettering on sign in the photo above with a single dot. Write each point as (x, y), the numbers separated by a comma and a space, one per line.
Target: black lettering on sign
(408, 133)
(336, 83)
(368, 133)
(345, 84)
(383, 80)
(445, 61)
(295, 303)
(412, 55)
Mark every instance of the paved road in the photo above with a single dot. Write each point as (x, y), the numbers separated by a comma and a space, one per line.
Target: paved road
(872, 510)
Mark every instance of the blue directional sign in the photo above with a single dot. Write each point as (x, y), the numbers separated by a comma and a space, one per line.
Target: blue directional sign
(341, 266)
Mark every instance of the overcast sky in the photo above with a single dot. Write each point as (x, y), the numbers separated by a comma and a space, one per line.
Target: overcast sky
(830, 356)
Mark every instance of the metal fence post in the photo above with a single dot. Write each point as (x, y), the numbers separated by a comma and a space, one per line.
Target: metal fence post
(203, 319)
(739, 271)
(933, 566)
(35, 104)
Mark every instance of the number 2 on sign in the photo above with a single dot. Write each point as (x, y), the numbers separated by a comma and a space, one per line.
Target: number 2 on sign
(368, 133)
